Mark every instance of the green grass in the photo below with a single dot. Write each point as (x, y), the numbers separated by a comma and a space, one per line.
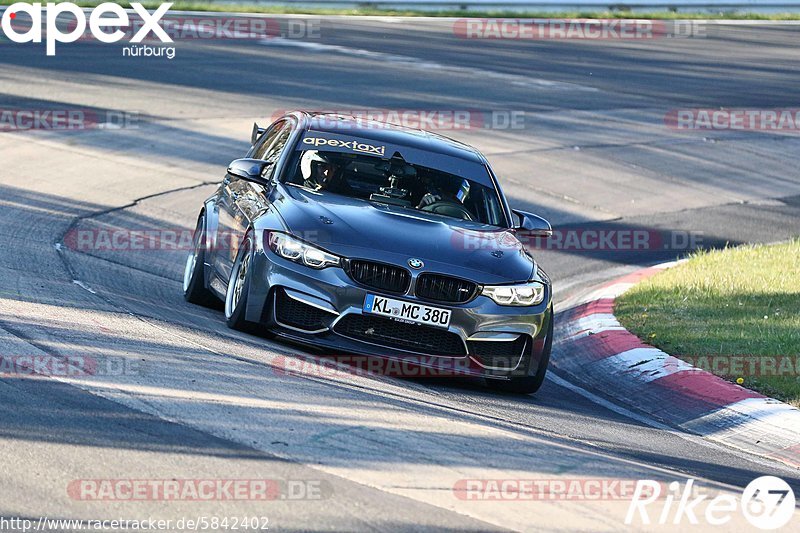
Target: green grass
(742, 301)
(366, 10)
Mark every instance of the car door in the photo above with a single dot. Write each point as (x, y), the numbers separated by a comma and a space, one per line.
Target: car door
(240, 201)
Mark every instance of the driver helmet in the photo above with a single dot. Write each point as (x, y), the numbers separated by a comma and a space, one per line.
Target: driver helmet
(319, 169)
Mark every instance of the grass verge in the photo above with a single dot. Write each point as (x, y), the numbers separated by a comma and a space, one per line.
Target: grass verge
(734, 312)
(366, 10)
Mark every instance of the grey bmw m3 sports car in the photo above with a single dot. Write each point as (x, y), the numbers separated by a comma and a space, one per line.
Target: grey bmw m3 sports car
(367, 238)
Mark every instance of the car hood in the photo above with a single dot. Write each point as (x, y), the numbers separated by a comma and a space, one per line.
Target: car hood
(359, 229)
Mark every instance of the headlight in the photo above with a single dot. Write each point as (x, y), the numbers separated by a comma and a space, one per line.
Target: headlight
(298, 251)
(523, 295)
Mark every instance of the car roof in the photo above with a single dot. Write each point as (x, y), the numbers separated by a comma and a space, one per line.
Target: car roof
(390, 134)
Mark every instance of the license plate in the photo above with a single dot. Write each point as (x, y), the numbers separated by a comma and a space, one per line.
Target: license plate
(407, 311)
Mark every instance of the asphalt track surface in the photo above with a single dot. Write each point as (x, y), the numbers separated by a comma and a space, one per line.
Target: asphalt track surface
(205, 402)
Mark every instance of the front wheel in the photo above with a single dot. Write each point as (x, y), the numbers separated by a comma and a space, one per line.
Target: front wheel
(194, 283)
(529, 384)
(239, 287)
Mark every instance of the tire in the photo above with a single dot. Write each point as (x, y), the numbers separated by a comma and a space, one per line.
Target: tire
(239, 286)
(528, 384)
(194, 284)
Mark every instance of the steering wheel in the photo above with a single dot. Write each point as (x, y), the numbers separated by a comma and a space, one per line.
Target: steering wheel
(448, 208)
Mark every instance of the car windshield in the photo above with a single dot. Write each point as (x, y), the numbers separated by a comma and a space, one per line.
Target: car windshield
(395, 182)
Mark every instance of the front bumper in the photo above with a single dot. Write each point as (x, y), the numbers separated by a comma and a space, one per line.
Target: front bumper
(323, 308)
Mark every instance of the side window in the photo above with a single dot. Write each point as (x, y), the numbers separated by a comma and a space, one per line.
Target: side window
(276, 149)
(263, 144)
(274, 142)
(267, 145)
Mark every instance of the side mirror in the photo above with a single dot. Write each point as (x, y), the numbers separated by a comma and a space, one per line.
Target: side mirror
(533, 225)
(249, 170)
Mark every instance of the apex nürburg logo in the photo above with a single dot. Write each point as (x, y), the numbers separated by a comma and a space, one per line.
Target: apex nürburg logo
(104, 23)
